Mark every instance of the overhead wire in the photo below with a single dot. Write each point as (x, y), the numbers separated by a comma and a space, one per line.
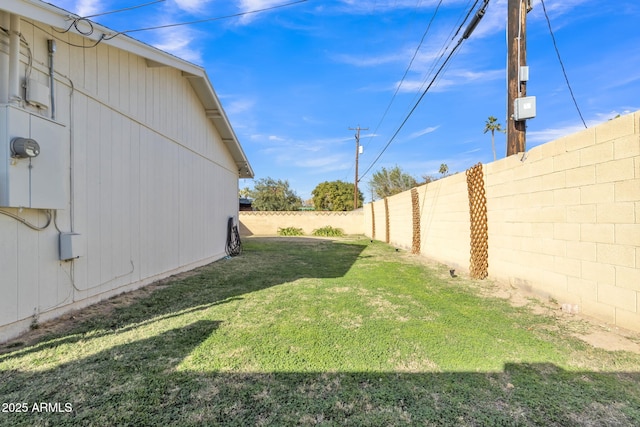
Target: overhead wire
(449, 39)
(406, 71)
(564, 71)
(199, 21)
(76, 21)
(103, 37)
(473, 23)
(124, 9)
(445, 47)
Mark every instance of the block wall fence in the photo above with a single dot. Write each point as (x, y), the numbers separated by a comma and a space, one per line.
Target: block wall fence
(264, 223)
(563, 221)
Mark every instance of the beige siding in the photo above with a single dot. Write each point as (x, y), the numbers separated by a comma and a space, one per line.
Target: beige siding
(152, 185)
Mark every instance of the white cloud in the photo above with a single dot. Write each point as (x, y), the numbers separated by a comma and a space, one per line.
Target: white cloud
(423, 132)
(558, 7)
(328, 163)
(82, 7)
(191, 6)
(369, 61)
(316, 156)
(537, 137)
(255, 5)
(454, 78)
(374, 6)
(238, 106)
(179, 43)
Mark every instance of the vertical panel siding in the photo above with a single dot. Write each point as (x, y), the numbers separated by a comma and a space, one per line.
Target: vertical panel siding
(153, 184)
(9, 269)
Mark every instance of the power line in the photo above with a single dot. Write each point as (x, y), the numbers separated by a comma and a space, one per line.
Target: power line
(466, 35)
(446, 46)
(124, 9)
(88, 32)
(406, 72)
(85, 19)
(404, 76)
(562, 64)
(235, 15)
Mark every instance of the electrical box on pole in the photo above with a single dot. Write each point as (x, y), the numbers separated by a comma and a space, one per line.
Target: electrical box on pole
(520, 107)
(524, 108)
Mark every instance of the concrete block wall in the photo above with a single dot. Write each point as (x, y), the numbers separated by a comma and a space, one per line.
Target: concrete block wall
(444, 220)
(400, 220)
(265, 223)
(375, 221)
(563, 220)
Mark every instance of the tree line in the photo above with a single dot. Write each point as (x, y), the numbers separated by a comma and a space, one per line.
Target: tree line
(269, 194)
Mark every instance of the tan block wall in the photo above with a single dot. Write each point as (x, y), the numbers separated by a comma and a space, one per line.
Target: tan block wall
(400, 220)
(264, 223)
(375, 221)
(444, 221)
(563, 220)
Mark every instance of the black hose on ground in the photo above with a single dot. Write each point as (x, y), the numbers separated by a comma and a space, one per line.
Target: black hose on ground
(234, 244)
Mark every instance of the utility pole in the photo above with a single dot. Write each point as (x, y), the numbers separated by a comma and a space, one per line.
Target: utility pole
(355, 182)
(517, 59)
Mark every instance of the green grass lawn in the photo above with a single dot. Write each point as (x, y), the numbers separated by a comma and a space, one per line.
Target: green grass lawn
(302, 331)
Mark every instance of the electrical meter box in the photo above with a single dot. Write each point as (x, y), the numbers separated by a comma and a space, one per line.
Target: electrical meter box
(524, 108)
(34, 160)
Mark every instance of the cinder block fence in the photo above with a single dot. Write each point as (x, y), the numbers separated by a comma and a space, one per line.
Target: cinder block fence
(561, 220)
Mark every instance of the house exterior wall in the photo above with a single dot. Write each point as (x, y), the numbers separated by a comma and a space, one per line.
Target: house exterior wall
(150, 188)
(563, 221)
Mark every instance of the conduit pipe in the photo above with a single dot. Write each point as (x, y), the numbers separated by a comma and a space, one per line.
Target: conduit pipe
(51, 45)
(14, 60)
(4, 60)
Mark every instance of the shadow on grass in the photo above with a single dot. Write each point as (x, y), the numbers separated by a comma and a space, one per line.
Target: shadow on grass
(265, 262)
(148, 381)
(123, 386)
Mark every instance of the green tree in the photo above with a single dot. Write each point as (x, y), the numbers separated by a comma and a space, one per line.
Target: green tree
(271, 195)
(443, 170)
(245, 192)
(335, 196)
(385, 183)
(492, 125)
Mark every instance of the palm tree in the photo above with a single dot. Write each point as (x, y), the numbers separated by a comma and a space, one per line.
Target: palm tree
(493, 126)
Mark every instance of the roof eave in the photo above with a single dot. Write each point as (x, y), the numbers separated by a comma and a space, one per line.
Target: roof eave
(196, 75)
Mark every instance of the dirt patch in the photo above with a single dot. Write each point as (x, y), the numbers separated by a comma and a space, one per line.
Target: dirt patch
(69, 321)
(610, 341)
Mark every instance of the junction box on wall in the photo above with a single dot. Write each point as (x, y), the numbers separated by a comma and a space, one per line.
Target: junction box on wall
(34, 160)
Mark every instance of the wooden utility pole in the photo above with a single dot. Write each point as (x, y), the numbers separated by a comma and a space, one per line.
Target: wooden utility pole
(355, 182)
(517, 58)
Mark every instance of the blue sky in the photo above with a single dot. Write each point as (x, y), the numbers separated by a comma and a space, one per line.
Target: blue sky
(293, 80)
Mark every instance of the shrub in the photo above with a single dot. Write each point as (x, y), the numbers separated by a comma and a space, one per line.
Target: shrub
(290, 231)
(328, 231)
